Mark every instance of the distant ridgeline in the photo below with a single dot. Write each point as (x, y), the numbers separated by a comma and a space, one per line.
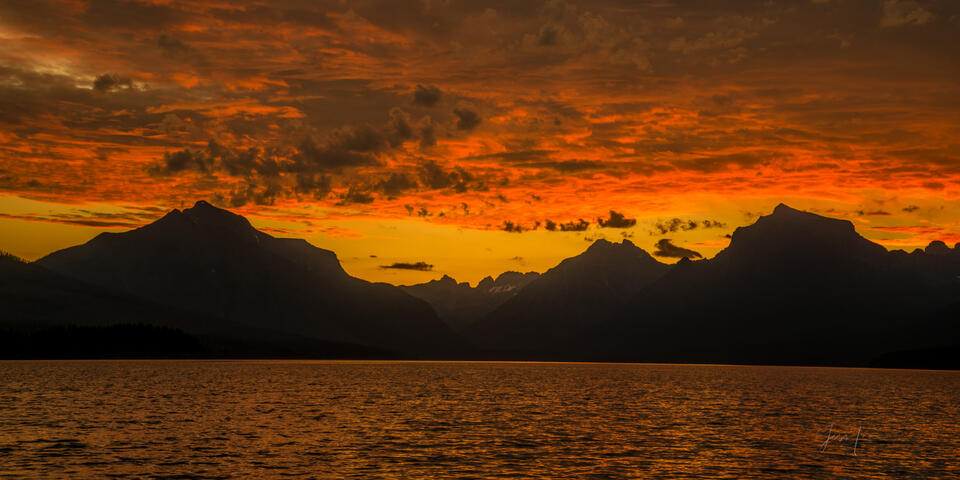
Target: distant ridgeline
(794, 288)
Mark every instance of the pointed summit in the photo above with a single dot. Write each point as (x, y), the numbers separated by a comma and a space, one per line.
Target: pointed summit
(603, 244)
(784, 209)
(486, 283)
(206, 215)
(559, 305)
(600, 244)
(203, 210)
(605, 251)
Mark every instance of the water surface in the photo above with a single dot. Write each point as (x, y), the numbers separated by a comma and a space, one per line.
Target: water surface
(277, 419)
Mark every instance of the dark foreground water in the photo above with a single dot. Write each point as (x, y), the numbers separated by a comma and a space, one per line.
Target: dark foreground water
(273, 419)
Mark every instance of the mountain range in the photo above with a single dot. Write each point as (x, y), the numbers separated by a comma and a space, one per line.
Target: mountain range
(792, 288)
(460, 305)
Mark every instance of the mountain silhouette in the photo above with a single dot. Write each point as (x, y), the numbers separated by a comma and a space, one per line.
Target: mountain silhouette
(210, 261)
(50, 315)
(551, 312)
(34, 298)
(459, 304)
(794, 287)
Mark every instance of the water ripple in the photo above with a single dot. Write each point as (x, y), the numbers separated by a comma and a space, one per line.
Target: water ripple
(273, 419)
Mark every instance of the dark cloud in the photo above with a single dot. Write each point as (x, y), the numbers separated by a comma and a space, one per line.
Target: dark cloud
(466, 119)
(89, 218)
(109, 82)
(356, 195)
(244, 161)
(348, 147)
(532, 157)
(363, 138)
(108, 14)
(428, 133)
(276, 13)
(399, 129)
(509, 226)
(617, 220)
(677, 224)
(578, 226)
(354, 146)
(569, 166)
(910, 208)
(396, 184)
(512, 227)
(269, 174)
(426, 96)
(548, 36)
(664, 248)
(317, 185)
(435, 177)
(257, 194)
(173, 47)
(184, 160)
(216, 157)
(420, 266)
(872, 213)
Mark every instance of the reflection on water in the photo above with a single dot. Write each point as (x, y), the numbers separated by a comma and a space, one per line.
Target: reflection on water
(212, 419)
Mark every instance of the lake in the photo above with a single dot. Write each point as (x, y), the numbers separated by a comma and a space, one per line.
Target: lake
(330, 419)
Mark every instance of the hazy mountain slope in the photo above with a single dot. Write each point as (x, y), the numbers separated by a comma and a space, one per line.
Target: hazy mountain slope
(34, 297)
(460, 305)
(49, 315)
(551, 312)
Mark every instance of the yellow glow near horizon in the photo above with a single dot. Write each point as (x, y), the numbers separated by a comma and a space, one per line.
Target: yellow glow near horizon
(364, 246)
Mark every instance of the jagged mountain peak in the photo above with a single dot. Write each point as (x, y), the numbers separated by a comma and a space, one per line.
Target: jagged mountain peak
(512, 276)
(602, 244)
(605, 251)
(937, 247)
(784, 209)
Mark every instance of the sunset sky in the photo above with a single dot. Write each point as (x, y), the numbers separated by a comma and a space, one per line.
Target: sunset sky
(479, 137)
